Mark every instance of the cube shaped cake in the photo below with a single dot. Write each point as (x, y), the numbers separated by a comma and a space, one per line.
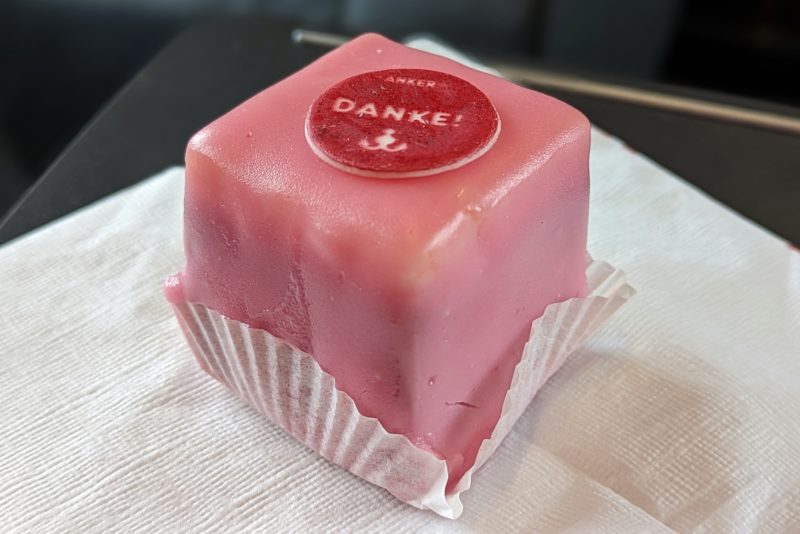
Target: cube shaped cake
(402, 219)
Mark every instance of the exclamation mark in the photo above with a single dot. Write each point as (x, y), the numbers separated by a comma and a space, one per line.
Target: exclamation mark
(457, 120)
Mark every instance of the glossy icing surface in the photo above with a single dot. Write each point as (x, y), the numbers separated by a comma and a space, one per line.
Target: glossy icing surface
(415, 294)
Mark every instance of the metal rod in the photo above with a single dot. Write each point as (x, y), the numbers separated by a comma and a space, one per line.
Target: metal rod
(653, 99)
(327, 40)
(619, 93)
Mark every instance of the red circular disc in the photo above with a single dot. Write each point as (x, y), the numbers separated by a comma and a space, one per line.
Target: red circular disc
(400, 123)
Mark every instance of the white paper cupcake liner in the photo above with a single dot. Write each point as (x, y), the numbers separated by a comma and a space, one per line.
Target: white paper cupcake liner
(288, 386)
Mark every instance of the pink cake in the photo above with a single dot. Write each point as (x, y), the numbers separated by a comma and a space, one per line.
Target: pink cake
(409, 264)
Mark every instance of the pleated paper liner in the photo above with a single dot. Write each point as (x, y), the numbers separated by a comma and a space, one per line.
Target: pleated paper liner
(288, 386)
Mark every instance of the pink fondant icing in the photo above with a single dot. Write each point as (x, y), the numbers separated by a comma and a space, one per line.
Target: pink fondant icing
(416, 294)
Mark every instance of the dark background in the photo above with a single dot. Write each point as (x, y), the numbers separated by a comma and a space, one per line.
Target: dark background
(61, 61)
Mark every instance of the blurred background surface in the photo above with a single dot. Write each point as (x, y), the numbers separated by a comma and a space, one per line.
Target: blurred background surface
(62, 60)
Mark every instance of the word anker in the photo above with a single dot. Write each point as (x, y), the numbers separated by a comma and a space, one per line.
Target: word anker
(437, 118)
(409, 81)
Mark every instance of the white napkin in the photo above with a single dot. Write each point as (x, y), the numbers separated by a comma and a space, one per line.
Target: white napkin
(683, 412)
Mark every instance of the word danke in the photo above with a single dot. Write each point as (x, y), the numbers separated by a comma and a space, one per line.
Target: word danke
(369, 109)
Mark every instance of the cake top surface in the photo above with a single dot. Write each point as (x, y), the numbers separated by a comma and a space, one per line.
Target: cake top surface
(262, 145)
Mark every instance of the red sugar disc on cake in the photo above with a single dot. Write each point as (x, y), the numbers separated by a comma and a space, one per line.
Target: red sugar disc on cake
(401, 123)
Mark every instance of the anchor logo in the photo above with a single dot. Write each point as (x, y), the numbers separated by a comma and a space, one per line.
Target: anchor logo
(383, 142)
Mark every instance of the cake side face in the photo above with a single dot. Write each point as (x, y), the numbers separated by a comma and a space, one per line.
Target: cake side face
(415, 294)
